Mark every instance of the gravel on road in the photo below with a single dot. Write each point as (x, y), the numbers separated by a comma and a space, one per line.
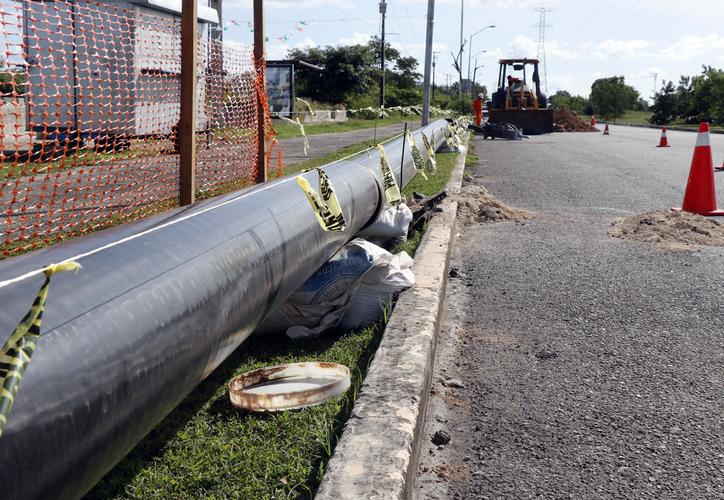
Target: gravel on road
(590, 366)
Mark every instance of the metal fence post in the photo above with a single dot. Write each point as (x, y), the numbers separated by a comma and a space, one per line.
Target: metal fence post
(261, 175)
(187, 122)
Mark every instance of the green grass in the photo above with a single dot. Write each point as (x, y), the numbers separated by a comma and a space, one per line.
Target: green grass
(330, 157)
(642, 118)
(285, 130)
(207, 449)
(635, 117)
(435, 182)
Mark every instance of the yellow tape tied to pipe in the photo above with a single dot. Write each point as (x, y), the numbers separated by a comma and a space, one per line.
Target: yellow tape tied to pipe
(325, 204)
(392, 191)
(18, 349)
(431, 163)
(416, 156)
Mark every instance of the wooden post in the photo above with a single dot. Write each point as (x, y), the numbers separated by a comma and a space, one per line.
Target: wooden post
(260, 69)
(402, 158)
(187, 122)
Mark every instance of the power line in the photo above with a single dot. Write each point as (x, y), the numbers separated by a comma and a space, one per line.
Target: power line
(617, 23)
(678, 19)
(409, 21)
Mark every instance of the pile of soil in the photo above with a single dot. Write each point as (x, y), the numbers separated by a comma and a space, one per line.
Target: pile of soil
(476, 204)
(565, 120)
(674, 230)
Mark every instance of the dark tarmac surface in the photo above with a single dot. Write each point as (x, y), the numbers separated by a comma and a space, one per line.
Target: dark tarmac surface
(591, 367)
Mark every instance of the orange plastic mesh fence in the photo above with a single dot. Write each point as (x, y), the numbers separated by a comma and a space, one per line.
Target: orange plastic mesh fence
(90, 111)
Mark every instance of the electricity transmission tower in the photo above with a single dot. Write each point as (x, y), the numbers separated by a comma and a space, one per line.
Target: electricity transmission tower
(542, 42)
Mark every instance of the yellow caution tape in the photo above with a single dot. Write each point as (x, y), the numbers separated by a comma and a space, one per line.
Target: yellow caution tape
(18, 349)
(389, 184)
(416, 156)
(325, 203)
(431, 162)
(305, 141)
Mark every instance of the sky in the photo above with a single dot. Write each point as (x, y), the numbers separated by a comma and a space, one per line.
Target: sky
(584, 39)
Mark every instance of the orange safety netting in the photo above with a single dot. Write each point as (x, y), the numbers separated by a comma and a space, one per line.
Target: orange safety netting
(90, 112)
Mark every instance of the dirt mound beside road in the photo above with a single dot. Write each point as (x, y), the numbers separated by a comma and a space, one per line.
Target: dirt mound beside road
(675, 230)
(476, 204)
(565, 120)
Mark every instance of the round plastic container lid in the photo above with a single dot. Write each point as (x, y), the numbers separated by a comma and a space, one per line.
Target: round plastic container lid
(289, 386)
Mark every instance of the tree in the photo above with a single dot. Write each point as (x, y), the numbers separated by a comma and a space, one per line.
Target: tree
(611, 96)
(564, 99)
(707, 96)
(346, 72)
(665, 105)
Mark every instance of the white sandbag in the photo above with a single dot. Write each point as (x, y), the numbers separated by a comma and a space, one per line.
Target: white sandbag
(393, 222)
(380, 286)
(321, 302)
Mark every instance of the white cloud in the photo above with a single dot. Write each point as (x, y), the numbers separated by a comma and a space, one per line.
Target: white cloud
(693, 46)
(622, 49)
(524, 46)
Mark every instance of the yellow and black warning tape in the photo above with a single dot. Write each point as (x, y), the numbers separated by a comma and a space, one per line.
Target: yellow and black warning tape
(431, 162)
(389, 184)
(417, 159)
(305, 140)
(325, 203)
(18, 349)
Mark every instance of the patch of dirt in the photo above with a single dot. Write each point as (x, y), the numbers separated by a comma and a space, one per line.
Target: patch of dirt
(476, 204)
(676, 231)
(448, 472)
(565, 120)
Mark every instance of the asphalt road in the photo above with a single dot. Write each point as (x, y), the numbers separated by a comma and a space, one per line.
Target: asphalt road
(322, 144)
(591, 367)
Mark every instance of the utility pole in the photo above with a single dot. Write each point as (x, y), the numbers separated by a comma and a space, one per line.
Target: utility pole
(460, 54)
(434, 63)
(428, 63)
(542, 41)
(383, 11)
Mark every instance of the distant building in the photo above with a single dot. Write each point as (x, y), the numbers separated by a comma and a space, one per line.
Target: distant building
(107, 67)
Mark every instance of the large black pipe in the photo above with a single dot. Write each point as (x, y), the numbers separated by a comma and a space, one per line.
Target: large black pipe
(158, 305)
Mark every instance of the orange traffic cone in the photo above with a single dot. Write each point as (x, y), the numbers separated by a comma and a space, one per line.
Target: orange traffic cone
(700, 196)
(605, 130)
(663, 142)
(593, 121)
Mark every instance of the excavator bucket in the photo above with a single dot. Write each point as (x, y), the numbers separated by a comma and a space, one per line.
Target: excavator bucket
(531, 121)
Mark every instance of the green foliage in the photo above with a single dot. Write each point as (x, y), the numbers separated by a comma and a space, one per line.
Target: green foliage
(564, 100)
(346, 71)
(351, 75)
(664, 108)
(695, 99)
(611, 96)
(13, 82)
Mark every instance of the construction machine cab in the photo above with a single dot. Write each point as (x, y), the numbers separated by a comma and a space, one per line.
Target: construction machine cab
(515, 101)
(513, 91)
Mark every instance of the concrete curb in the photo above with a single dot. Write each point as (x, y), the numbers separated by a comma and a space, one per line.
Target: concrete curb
(376, 457)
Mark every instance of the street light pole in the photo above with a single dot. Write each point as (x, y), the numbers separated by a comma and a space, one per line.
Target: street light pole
(428, 62)
(460, 62)
(470, 46)
(383, 11)
(434, 63)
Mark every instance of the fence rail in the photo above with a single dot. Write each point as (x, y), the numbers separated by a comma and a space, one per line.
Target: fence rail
(90, 117)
